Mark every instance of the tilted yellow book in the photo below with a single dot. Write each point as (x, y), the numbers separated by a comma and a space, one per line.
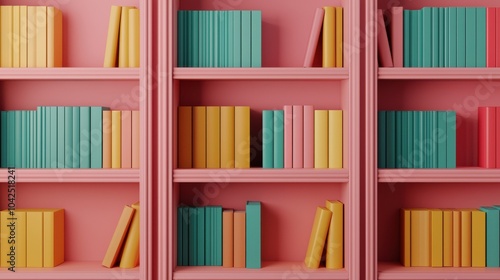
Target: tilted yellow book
(335, 241)
(317, 238)
(130, 255)
(227, 137)
(54, 37)
(41, 36)
(321, 139)
(111, 52)
(213, 137)
(53, 237)
(123, 41)
(335, 153)
(116, 139)
(134, 38)
(199, 137)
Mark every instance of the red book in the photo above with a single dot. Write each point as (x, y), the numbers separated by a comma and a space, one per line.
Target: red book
(384, 51)
(308, 136)
(486, 137)
(397, 36)
(314, 37)
(491, 37)
(497, 35)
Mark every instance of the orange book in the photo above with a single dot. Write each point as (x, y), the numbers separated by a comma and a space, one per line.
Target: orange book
(53, 237)
(457, 240)
(420, 237)
(466, 232)
(242, 137)
(119, 235)
(317, 238)
(405, 237)
(136, 139)
(184, 137)
(116, 141)
(478, 238)
(239, 239)
(54, 37)
(106, 139)
(34, 238)
(130, 255)
(227, 137)
(228, 238)
(436, 238)
(126, 139)
(335, 241)
(199, 137)
(447, 238)
(213, 137)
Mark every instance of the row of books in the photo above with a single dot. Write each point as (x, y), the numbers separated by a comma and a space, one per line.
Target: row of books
(38, 235)
(488, 137)
(123, 249)
(69, 137)
(328, 20)
(301, 137)
(211, 236)
(123, 41)
(219, 38)
(416, 139)
(31, 36)
(213, 137)
(328, 229)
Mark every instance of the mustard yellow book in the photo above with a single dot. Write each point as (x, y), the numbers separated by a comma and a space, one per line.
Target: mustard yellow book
(116, 142)
(242, 137)
(447, 238)
(457, 239)
(5, 229)
(41, 36)
(321, 139)
(405, 237)
(339, 39)
(420, 237)
(134, 38)
(16, 33)
(54, 37)
(116, 243)
(123, 41)
(53, 237)
(199, 137)
(111, 52)
(130, 255)
(227, 137)
(106, 139)
(466, 237)
(335, 241)
(23, 36)
(478, 238)
(213, 137)
(31, 36)
(21, 250)
(329, 37)
(335, 155)
(6, 29)
(436, 238)
(185, 137)
(34, 238)
(317, 238)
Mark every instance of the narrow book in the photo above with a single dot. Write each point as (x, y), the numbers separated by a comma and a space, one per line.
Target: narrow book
(228, 238)
(213, 136)
(54, 37)
(457, 238)
(136, 139)
(420, 243)
(134, 38)
(106, 139)
(478, 237)
(239, 239)
(405, 251)
(335, 136)
(130, 254)
(436, 238)
(253, 235)
(288, 145)
(492, 236)
(314, 37)
(339, 37)
(278, 141)
(110, 56)
(34, 238)
(397, 36)
(116, 134)
(41, 36)
(447, 238)
(227, 127)
(298, 136)
(199, 137)
(123, 40)
(96, 142)
(487, 137)
(53, 237)
(7, 36)
(317, 238)
(242, 137)
(384, 51)
(466, 238)
(321, 139)
(335, 240)
(308, 136)
(267, 138)
(184, 137)
(116, 243)
(85, 137)
(329, 37)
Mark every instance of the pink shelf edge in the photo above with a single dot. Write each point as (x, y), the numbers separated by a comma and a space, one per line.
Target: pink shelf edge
(461, 174)
(69, 73)
(264, 73)
(410, 73)
(396, 271)
(75, 175)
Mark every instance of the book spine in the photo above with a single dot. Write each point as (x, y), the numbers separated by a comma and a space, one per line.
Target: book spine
(136, 139)
(298, 136)
(15, 37)
(441, 36)
(237, 55)
(54, 37)
(497, 134)
(335, 135)
(218, 236)
(381, 139)
(256, 40)
(134, 38)
(61, 133)
(451, 139)
(180, 236)
(320, 139)
(497, 37)
(41, 36)
(420, 38)
(53, 137)
(116, 141)
(411, 139)
(461, 35)
(453, 24)
(399, 135)
(492, 234)
(113, 34)
(335, 241)
(457, 239)
(406, 38)
(253, 235)
(181, 33)
(466, 238)
(339, 37)
(228, 238)
(268, 139)
(85, 137)
(126, 139)
(278, 139)
(403, 156)
(185, 137)
(440, 134)
(123, 39)
(6, 31)
(384, 51)
(199, 137)
(317, 238)
(446, 26)
(246, 29)
(491, 37)
(470, 37)
(430, 39)
(481, 19)
(329, 37)
(193, 36)
(3, 139)
(23, 36)
(436, 238)
(106, 139)
(242, 136)
(397, 36)
(314, 37)
(193, 230)
(390, 139)
(288, 154)
(185, 236)
(414, 38)
(420, 243)
(447, 238)
(96, 136)
(200, 238)
(213, 136)
(308, 136)
(478, 236)
(76, 137)
(23, 139)
(227, 136)
(230, 38)
(34, 238)
(487, 137)
(434, 139)
(53, 237)
(405, 215)
(239, 239)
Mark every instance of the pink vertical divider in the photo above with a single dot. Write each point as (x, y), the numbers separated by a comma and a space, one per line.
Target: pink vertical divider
(497, 36)
(486, 137)
(384, 51)
(136, 132)
(497, 136)
(298, 136)
(491, 37)
(288, 111)
(314, 37)
(126, 139)
(397, 36)
(308, 136)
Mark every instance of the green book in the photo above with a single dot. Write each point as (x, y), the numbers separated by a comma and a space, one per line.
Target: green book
(40, 162)
(17, 139)
(230, 38)
(481, 37)
(451, 139)
(410, 139)
(96, 136)
(9, 141)
(267, 138)
(53, 137)
(420, 39)
(417, 157)
(441, 139)
(391, 139)
(68, 137)
(226, 38)
(256, 38)
(189, 39)
(246, 28)
(200, 239)
(61, 153)
(222, 34)
(193, 229)
(3, 144)
(211, 36)
(441, 37)
(253, 234)
(29, 128)
(218, 235)
(181, 32)
(429, 36)
(461, 37)
(179, 236)
(414, 38)
(185, 235)
(434, 139)
(195, 38)
(208, 236)
(403, 157)
(453, 24)
(24, 139)
(406, 38)
(76, 137)
(381, 139)
(470, 37)
(207, 36)
(399, 140)
(279, 139)
(216, 39)
(492, 235)
(424, 140)
(446, 32)
(84, 137)
(237, 39)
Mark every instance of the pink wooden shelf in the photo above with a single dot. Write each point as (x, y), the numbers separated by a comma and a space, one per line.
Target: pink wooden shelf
(438, 73)
(269, 270)
(72, 270)
(262, 175)
(69, 73)
(461, 174)
(74, 175)
(395, 271)
(277, 73)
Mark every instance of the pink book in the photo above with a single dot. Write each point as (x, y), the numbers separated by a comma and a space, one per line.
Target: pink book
(288, 111)
(298, 136)
(497, 38)
(308, 136)
(314, 37)
(490, 37)
(136, 133)
(397, 36)
(126, 139)
(486, 137)
(384, 52)
(106, 139)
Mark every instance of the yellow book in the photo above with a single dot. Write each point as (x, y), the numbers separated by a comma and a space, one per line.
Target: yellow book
(242, 137)
(405, 237)
(447, 238)
(5, 250)
(227, 137)
(185, 137)
(329, 37)
(41, 36)
(321, 139)
(339, 39)
(112, 39)
(31, 36)
(457, 240)
(23, 36)
(116, 139)
(335, 139)
(335, 241)
(199, 137)
(134, 38)
(317, 238)
(436, 238)
(116, 244)
(130, 255)
(213, 137)
(53, 237)
(34, 238)
(478, 238)
(16, 35)
(420, 237)
(124, 38)
(54, 37)
(6, 29)
(466, 232)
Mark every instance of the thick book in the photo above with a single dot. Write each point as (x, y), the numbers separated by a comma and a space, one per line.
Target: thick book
(110, 55)
(308, 136)
(106, 139)
(7, 36)
(96, 142)
(298, 136)
(34, 239)
(436, 238)
(384, 51)
(420, 243)
(134, 38)
(41, 36)
(184, 137)
(487, 137)
(126, 139)
(447, 238)
(335, 135)
(199, 137)
(54, 37)
(253, 235)
(335, 239)
(116, 141)
(329, 37)
(288, 145)
(267, 138)
(317, 239)
(321, 139)
(239, 238)
(491, 49)
(53, 237)
(130, 254)
(136, 139)
(492, 236)
(228, 238)
(314, 37)
(278, 139)
(227, 127)
(478, 237)
(213, 136)
(116, 243)
(123, 40)
(242, 136)
(397, 36)
(481, 36)
(466, 238)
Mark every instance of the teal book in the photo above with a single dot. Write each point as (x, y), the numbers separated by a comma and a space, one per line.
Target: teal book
(399, 140)
(279, 139)
(84, 137)
(470, 37)
(68, 137)
(391, 139)
(211, 39)
(42, 129)
(28, 142)
(492, 235)
(406, 38)
(208, 236)
(185, 235)
(48, 140)
(17, 139)
(96, 136)
(461, 36)
(414, 38)
(189, 43)
(410, 139)
(3, 138)
(429, 36)
(441, 139)
(403, 158)
(200, 239)
(218, 235)
(434, 139)
(179, 237)
(208, 35)
(227, 18)
(201, 38)
(216, 39)
(453, 24)
(381, 139)
(246, 27)
(61, 132)
(194, 38)
(222, 44)
(425, 134)
(253, 235)
(230, 38)
(446, 32)
(256, 40)
(193, 230)
(24, 139)
(480, 37)
(267, 138)
(237, 39)
(181, 32)
(53, 137)
(417, 157)
(451, 139)
(9, 142)
(420, 39)
(441, 37)
(76, 137)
